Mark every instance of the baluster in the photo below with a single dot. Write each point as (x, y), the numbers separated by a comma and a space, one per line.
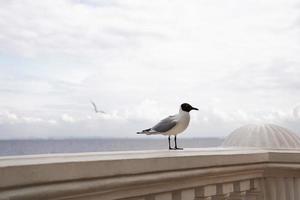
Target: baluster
(237, 194)
(150, 197)
(271, 188)
(227, 190)
(253, 193)
(297, 188)
(290, 190)
(176, 195)
(263, 188)
(219, 193)
(281, 192)
(188, 194)
(163, 196)
(205, 192)
(199, 193)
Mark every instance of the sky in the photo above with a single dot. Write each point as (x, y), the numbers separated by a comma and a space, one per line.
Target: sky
(237, 61)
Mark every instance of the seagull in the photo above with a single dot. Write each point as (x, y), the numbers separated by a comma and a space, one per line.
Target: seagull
(96, 109)
(172, 125)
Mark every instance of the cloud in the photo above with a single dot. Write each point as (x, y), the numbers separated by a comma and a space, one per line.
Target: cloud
(67, 118)
(139, 60)
(208, 122)
(11, 118)
(61, 28)
(96, 3)
(277, 74)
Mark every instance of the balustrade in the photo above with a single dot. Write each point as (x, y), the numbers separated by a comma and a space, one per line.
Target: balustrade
(197, 174)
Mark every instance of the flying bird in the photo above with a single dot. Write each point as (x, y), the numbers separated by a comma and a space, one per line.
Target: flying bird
(96, 109)
(172, 125)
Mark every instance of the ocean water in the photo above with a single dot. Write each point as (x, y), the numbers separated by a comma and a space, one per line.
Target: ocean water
(48, 146)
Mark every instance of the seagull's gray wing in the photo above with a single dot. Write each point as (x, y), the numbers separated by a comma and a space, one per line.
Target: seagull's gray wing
(165, 124)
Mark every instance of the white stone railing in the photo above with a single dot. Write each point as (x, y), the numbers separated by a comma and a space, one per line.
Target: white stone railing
(194, 174)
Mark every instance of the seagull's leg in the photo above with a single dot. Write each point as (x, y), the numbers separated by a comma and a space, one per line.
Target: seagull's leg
(176, 144)
(169, 139)
(169, 143)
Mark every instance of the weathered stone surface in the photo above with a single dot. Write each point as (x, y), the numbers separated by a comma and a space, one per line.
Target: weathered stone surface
(147, 174)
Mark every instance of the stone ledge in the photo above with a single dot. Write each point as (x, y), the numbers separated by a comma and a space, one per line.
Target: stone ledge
(18, 171)
(110, 174)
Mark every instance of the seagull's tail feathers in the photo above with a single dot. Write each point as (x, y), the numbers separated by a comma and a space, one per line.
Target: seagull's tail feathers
(148, 131)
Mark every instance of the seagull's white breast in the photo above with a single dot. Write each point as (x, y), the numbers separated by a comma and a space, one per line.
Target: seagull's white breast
(183, 120)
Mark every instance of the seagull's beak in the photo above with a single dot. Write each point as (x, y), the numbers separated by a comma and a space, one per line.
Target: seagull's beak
(194, 108)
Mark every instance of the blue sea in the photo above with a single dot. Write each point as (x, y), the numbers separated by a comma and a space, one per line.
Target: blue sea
(48, 146)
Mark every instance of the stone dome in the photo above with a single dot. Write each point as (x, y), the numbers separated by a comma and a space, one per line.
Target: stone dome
(263, 136)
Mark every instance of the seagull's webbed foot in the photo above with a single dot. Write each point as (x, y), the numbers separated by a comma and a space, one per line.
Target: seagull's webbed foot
(178, 148)
(170, 148)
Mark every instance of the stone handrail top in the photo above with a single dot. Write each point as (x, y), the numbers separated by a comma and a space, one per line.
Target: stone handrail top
(44, 176)
(6, 161)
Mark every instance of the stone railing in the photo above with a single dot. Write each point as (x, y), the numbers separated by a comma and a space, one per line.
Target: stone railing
(193, 174)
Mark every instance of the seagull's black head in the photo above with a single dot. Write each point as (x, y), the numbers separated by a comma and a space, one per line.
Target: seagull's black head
(187, 107)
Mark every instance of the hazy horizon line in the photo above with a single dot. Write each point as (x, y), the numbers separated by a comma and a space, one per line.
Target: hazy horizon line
(100, 137)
